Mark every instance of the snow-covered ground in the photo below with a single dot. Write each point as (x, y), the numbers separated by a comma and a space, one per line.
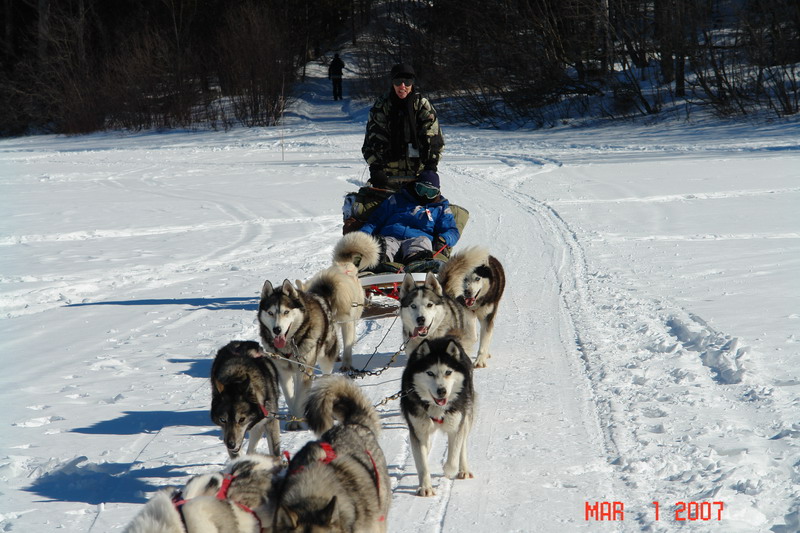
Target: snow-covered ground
(646, 349)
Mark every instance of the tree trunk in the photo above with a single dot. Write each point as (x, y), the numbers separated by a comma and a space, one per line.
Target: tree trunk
(43, 29)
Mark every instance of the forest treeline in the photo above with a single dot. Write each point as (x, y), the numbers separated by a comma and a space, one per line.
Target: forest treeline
(74, 66)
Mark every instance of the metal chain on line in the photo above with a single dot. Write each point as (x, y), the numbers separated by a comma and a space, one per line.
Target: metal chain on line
(356, 374)
(313, 373)
(288, 418)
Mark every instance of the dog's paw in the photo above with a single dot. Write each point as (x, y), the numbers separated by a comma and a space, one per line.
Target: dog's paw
(481, 361)
(465, 475)
(426, 492)
(294, 425)
(345, 369)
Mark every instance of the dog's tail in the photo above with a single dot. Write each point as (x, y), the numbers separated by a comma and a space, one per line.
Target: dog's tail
(358, 248)
(338, 398)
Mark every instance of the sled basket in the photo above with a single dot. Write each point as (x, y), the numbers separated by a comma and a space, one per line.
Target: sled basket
(383, 293)
(359, 205)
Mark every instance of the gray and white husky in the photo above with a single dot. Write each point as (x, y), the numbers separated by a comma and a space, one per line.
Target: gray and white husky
(244, 397)
(339, 483)
(476, 280)
(299, 327)
(236, 500)
(438, 396)
(354, 252)
(427, 313)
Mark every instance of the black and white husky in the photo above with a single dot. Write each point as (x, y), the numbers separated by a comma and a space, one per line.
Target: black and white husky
(339, 483)
(427, 313)
(236, 500)
(476, 280)
(438, 396)
(244, 397)
(299, 327)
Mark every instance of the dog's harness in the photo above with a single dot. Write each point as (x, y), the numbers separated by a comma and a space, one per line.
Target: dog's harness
(330, 455)
(222, 494)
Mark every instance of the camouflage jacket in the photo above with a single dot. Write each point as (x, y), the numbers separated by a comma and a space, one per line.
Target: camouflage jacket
(378, 140)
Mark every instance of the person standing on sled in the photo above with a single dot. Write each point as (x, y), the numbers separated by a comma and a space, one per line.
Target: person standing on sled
(403, 136)
(414, 223)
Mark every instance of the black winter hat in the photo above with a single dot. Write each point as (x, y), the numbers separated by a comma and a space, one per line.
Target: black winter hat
(403, 70)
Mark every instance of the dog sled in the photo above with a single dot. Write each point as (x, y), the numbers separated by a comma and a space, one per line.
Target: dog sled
(382, 284)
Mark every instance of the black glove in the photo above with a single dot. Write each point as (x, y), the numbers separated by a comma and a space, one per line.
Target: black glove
(438, 243)
(378, 177)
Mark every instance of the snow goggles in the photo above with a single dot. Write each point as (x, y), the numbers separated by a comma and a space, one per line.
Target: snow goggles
(426, 191)
(408, 82)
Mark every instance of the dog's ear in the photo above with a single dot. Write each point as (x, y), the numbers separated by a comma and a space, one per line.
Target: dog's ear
(289, 516)
(454, 349)
(300, 285)
(218, 385)
(422, 350)
(408, 285)
(289, 289)
(267, 289)
(326, 515)
(432, 283)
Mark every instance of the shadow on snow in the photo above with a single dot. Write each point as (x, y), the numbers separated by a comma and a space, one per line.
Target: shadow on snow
(213, 304)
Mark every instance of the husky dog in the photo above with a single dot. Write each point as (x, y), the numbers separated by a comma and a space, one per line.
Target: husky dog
(232, 501)
(244, 397)
(476, 280)
(439, 395)
(298, 326)
(355, 251)
(339, 483)
(428, 313)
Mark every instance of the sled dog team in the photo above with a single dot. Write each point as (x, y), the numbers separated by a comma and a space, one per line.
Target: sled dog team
(339, 482)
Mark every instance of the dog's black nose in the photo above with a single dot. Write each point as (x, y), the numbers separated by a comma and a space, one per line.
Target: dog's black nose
(441, 391)
(276, 330)
(421, 320)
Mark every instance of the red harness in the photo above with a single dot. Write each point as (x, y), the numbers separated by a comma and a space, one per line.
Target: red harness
(222, 494)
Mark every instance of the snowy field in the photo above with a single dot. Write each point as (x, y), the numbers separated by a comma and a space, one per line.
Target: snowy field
(646, 349)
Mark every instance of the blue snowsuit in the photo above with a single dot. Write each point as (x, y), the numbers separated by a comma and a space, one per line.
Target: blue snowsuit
(401, 216)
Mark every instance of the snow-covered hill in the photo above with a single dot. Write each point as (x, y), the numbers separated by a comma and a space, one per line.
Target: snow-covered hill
(646, 350)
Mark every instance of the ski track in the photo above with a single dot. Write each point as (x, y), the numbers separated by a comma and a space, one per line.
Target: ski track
(674, 332)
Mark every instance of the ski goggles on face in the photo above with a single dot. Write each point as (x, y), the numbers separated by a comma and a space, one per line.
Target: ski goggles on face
(408, 82)
(426, 191)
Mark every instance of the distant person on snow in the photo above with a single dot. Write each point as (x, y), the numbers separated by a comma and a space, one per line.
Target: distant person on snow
(335, 75)
(403, 136)
(414, 223)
